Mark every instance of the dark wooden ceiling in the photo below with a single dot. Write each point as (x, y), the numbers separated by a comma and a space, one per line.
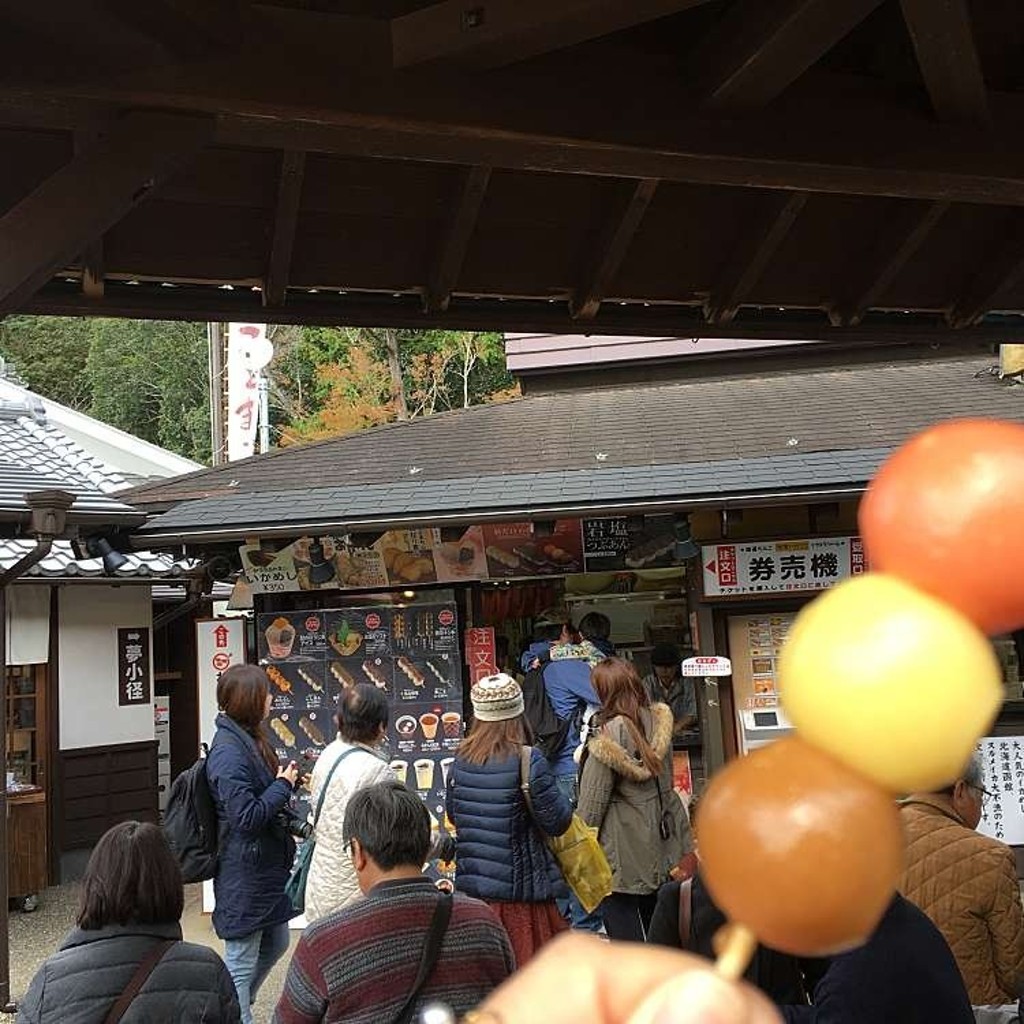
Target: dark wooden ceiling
(759, 167)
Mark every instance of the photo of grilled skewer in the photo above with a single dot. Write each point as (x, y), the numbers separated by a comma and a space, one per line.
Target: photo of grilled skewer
(279, 679)
(343, 675)
(310, 680)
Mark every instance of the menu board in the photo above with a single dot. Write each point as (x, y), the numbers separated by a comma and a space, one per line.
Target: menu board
(411, 653)
(629, 542)
(517, 549)
(1002, 762)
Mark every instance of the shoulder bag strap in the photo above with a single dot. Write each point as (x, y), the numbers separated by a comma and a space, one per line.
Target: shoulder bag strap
(685, 912)
(327, 782)
(138, 979)
(431, 951)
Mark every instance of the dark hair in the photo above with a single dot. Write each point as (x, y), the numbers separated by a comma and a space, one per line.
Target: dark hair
(391, 824)
(665, 655)
(622, 694)
(595, 626)
(362, 710)
(498, 740)
(548, 633)
(242, 695)
(132, 878)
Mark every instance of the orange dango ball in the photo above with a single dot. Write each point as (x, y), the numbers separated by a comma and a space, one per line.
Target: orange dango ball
(946, 513)
(799, 849)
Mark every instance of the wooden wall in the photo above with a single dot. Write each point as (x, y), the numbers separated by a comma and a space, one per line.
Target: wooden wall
(101, 786)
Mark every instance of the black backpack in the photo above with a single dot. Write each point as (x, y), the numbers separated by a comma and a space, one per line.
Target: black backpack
(549, 731)
(190, 823)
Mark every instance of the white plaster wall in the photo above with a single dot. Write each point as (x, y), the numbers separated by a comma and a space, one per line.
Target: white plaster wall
(89, 617)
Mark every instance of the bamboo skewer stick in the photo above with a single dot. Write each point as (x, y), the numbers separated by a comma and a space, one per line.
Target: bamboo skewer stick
(735, 945)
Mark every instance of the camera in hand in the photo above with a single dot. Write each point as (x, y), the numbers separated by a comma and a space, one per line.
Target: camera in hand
(293, 824)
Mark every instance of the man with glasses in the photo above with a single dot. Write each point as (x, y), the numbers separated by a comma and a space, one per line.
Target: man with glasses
(967, 884)
(382, 958)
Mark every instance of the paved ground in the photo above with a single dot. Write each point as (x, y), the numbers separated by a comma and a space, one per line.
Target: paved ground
(35, 936)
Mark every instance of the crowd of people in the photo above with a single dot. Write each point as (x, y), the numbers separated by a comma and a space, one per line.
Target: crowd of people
(384, 943)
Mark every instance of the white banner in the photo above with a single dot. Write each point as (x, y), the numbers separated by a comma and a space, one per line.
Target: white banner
(779, 566)
(249, 351)
(1002, 761)
(219, 643)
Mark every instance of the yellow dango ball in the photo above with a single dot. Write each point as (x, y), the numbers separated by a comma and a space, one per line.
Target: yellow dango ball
(894, 683)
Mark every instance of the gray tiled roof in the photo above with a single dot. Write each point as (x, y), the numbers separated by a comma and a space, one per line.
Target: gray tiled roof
(61, 563)
(34, 455)
(499, 494)
(577, 439)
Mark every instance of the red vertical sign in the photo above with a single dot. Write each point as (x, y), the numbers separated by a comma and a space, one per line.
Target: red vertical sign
(481, 656)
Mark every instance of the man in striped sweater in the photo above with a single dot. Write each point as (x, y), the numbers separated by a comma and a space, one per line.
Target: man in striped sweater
(359, 964)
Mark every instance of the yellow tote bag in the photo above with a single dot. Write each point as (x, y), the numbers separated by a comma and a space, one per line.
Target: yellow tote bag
(579, 855)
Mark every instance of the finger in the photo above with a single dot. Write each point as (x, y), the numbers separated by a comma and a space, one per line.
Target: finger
(625, 983)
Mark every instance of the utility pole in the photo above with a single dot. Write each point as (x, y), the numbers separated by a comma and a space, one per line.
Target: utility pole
(218, 440)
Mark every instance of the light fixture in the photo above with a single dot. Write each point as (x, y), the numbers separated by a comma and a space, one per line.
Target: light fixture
(686, 547)
(408, 594)
(320, 570)
(100, 547)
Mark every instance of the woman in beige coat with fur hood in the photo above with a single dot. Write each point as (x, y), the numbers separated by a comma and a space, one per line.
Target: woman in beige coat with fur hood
(626, 792)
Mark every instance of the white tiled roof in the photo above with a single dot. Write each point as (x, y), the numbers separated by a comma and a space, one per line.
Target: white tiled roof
(61, 563)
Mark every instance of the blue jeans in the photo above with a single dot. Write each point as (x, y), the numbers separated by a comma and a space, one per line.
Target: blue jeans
(571, 909)
(250, 959)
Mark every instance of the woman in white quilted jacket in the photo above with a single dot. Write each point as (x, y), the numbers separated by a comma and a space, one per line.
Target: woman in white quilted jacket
(362, 720)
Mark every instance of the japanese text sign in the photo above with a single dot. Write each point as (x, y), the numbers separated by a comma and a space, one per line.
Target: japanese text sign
(1002, 762)
(481, 656)
(134, 675)
(780, 567)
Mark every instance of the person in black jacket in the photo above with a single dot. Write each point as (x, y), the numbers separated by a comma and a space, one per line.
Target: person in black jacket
(904, 974)
(132, 900)
(252, 794)
(775, 974)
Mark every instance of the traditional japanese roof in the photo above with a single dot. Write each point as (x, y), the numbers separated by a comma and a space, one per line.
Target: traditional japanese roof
(850, 167)
(754, 434)
(61, 563)
(35, 456)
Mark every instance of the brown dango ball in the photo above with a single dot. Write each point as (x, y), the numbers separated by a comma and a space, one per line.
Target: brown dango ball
(799, 848)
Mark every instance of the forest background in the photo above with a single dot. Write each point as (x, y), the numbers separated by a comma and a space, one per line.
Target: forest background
(151, 378)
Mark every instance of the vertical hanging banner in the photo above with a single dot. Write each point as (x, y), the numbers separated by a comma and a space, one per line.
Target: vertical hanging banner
(481, 655)
(249, 350)
(219, 643)
(134, 683)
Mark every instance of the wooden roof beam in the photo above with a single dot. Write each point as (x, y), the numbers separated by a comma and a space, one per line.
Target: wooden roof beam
(752, 255)
(286, 218)
(899, 248)
(184, 28)
(948, 57)
(758, 48)
(1003, 269)
(54, 223)
(92, 255)
(616, 238)
(460, 230)
(497, 32)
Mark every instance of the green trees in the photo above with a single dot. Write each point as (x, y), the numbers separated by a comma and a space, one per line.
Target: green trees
(150, 377)
(147, 377)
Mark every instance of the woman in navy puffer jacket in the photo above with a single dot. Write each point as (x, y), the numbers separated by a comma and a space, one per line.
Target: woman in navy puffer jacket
(502, 857)
(252, 794)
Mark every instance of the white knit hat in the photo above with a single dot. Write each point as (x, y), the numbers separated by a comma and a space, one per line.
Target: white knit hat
(496, 698)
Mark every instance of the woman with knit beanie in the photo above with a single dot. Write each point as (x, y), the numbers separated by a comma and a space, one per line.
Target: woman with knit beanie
(502, 857)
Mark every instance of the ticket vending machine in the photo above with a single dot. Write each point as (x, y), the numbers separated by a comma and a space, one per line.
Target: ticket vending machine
(760, 726)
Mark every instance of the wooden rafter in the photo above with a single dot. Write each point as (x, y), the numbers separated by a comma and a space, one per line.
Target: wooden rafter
(504, 31)
(900, 245)
(184, 28)
(92, 255)
(758, 48)
(616, 238)
(1002, 269)
(286, 218)
(452, 253)
(77, 204)
(946, 53)
(752, 255)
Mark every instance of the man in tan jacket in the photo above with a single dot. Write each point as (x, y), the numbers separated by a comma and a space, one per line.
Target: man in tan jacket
(967, 884)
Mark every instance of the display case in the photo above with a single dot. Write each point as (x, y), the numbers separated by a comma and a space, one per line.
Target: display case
(27, 744)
